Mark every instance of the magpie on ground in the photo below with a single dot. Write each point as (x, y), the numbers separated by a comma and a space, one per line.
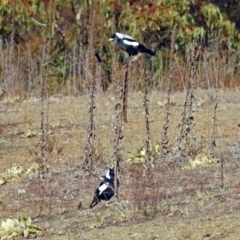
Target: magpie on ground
(128, 44)
(105, 190)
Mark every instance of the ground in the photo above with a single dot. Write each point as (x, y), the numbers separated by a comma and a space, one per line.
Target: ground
(201, 203)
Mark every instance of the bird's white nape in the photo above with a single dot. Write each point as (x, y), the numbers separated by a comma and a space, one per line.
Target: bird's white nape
(108, 174)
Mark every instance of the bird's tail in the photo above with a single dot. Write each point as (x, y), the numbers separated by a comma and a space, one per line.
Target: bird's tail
(143, 49)
(95, 201)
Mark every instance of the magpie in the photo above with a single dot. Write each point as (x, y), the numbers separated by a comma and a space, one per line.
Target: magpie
(128, 44)
(105, 190)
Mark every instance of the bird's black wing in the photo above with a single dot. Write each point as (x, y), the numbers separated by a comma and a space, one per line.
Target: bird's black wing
(141, 48)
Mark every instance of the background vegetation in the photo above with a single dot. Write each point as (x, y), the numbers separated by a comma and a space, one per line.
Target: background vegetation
(61, 30)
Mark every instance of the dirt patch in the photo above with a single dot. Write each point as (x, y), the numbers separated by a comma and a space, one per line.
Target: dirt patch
(198, 203)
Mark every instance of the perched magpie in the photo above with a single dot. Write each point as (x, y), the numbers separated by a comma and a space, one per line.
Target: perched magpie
(128, 44)
(105, 190)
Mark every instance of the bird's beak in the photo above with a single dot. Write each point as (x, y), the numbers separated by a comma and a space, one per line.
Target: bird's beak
(110, 39)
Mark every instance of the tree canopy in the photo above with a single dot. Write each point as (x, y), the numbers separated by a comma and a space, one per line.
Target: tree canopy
(67, 25)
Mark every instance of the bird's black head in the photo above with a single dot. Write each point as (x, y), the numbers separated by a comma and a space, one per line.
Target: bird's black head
(109, 176)
(113, 37)
(111, 172)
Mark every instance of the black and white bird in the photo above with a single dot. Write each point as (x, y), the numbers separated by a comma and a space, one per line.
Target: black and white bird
(105, 190)
(128, 44)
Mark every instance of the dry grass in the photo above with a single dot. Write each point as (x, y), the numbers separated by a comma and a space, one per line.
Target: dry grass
(189, 204)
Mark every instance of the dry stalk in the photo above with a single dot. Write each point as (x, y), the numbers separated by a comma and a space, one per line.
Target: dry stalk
(222, 171)
(119, 115)
(43, 143)
(42, 159)
(149, 184)
(89, 150)
(118, 136)
(125, 91)
(9, 80)
(213, 135)
(145, 105)
(165, 139)
(127, 64)
(215, 99)
(145, 102)
(187, 138)
(45, 69)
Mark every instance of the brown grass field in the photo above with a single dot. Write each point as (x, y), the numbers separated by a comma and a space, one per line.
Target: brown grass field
(201, 203)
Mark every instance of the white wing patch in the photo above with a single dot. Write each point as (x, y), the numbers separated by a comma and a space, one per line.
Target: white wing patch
(130, 43)
(102, 188)
(121, 35)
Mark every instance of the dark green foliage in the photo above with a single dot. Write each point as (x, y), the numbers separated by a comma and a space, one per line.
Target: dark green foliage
(27, 23)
